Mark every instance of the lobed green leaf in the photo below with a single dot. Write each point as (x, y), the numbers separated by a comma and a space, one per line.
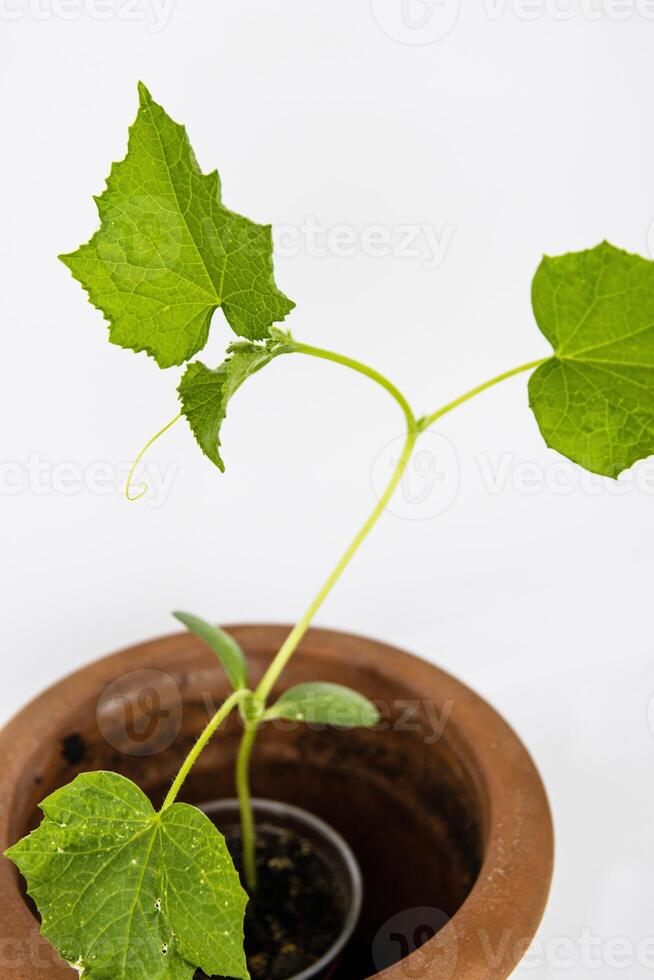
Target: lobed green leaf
(205, 393)
(593, 399)
(126, 893)
(168, 253)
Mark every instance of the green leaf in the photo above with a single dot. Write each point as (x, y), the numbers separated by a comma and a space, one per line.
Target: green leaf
(594, 399)
(126, 893)
(205, 393)
(168, 253)
(327, 704)
(226, 649)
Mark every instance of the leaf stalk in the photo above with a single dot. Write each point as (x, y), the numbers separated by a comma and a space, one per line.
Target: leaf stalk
(225, 709)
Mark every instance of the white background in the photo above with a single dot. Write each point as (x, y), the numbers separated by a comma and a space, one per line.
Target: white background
(519, 132)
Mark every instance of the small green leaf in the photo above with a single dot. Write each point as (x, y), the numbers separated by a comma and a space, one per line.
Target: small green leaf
(223, 645)
(126, 893)
(327, 704)
(594, 399)
(205, 393)
(168, 252)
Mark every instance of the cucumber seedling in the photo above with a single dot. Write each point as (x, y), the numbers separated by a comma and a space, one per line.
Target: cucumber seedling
(127, 892)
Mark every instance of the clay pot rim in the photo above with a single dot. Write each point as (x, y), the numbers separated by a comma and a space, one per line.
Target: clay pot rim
(514, 864)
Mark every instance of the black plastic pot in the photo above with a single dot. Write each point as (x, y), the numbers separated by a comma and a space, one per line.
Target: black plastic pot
(336, 853)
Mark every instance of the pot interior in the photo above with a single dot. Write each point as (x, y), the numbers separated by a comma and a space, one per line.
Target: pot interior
(406, 798)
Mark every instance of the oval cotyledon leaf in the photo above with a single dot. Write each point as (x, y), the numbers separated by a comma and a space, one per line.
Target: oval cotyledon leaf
(324, 703)
(223, 645)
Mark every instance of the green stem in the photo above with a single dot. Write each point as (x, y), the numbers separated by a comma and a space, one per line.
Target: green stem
(143, 489)
(430, 419)
(285, 653)
(201, 744)
(288, 648)
(360, 368)
(245, 805)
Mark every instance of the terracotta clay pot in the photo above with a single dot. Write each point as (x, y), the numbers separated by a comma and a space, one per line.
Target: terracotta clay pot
(442, 806)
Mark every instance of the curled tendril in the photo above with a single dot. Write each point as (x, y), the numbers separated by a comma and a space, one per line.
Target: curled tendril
(143, 487)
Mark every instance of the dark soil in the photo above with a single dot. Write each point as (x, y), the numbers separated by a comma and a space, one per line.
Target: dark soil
(298, 910)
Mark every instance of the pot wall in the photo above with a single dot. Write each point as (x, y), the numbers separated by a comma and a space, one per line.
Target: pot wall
(443, 806)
